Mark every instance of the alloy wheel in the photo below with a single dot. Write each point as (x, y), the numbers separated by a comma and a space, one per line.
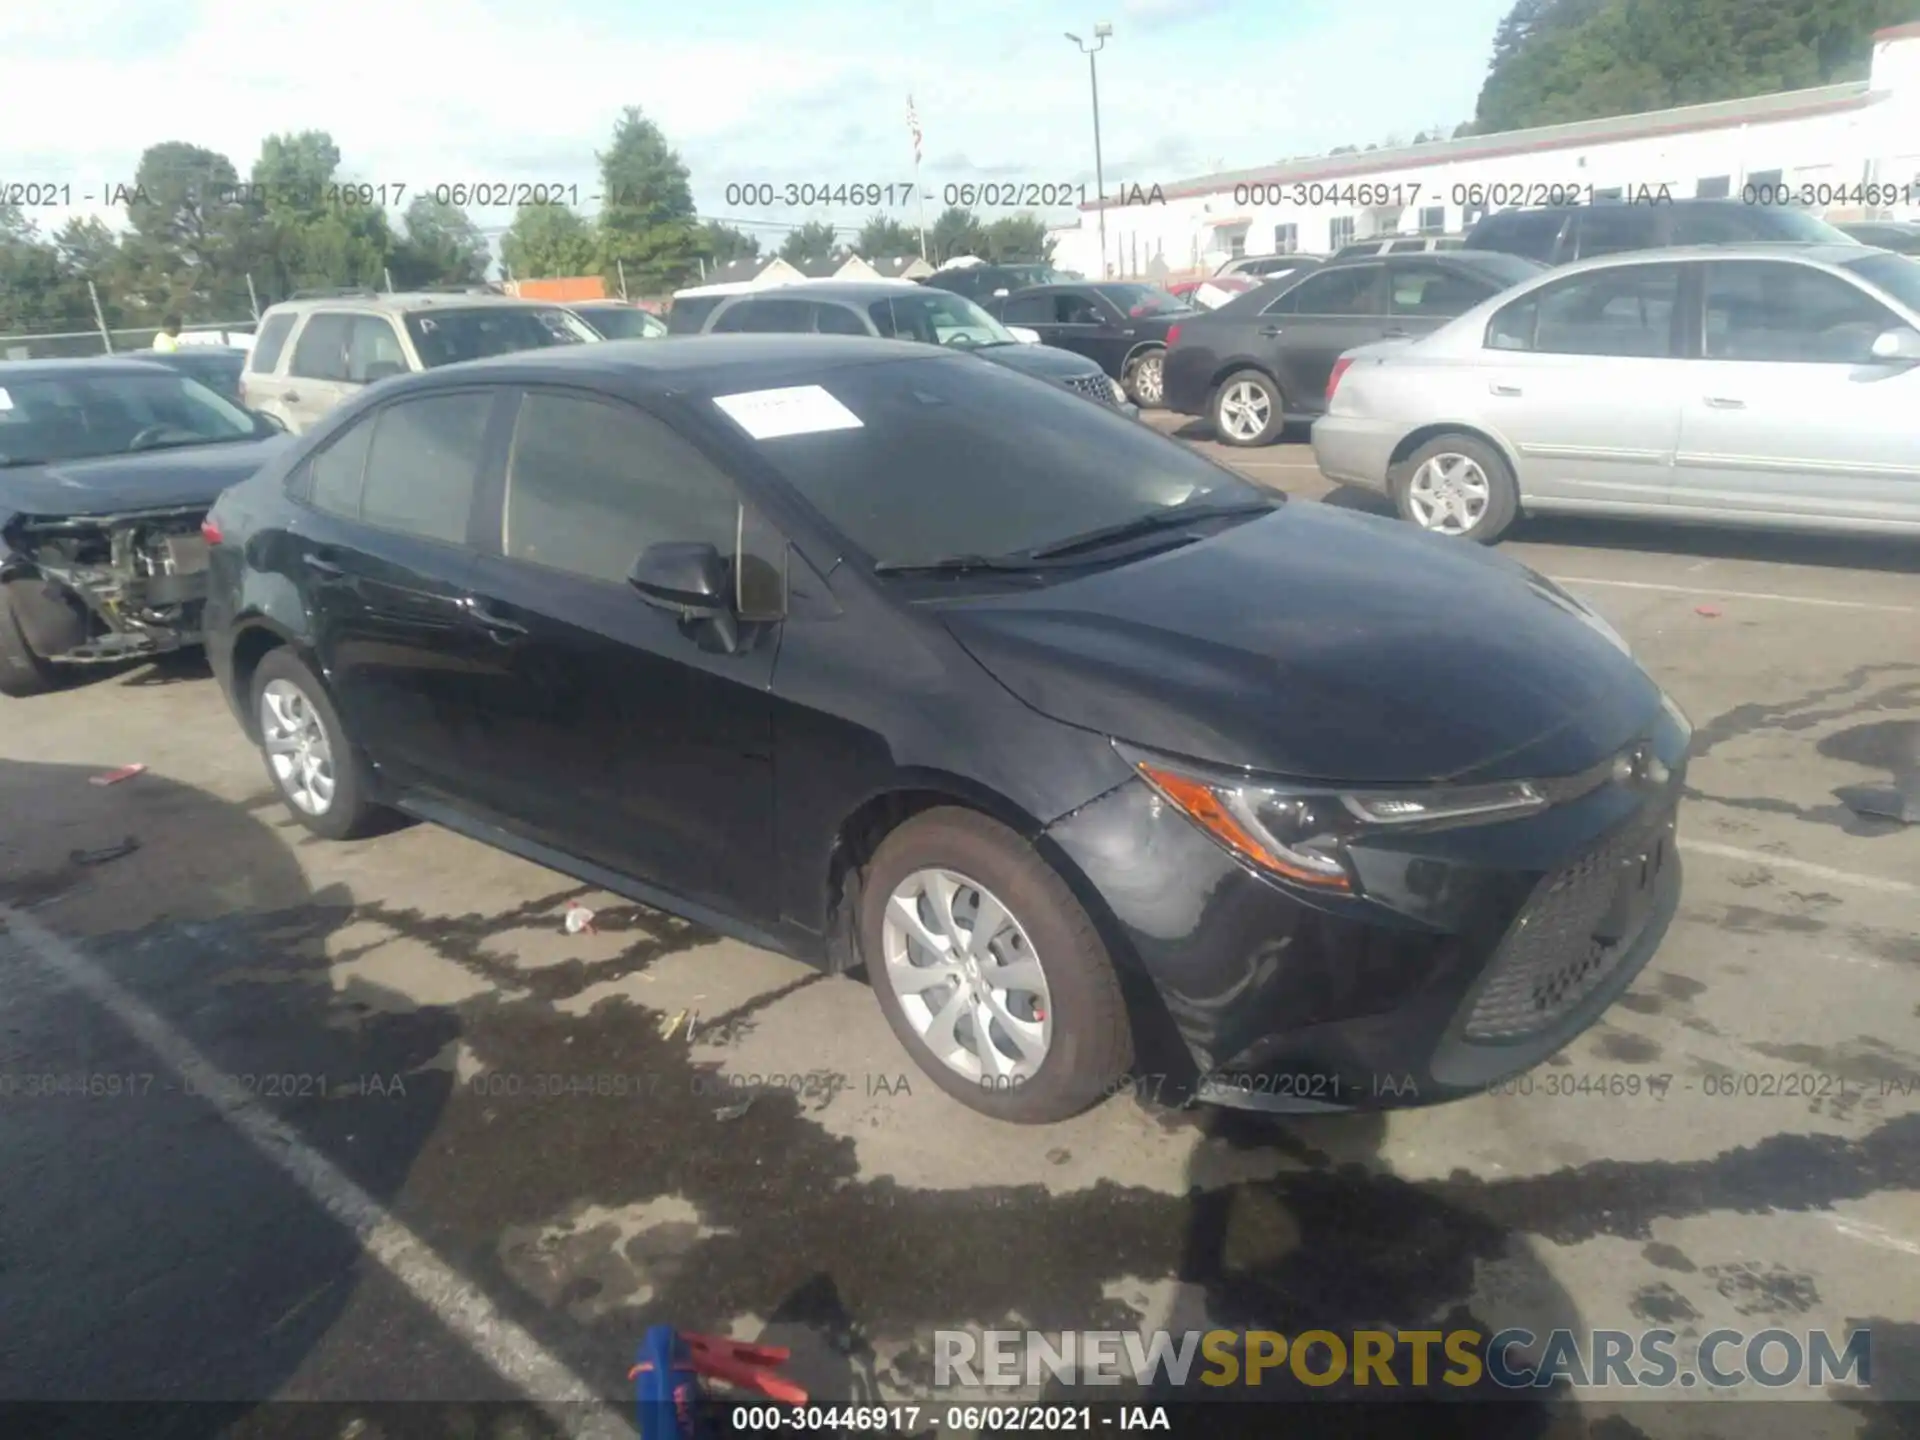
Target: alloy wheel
(1149, 379)
(1244, 410)
(298, 750)
(967, 977)
(1449, 494)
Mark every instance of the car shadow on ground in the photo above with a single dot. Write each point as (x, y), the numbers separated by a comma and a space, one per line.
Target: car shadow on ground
(177, 1275)
(1777, 547)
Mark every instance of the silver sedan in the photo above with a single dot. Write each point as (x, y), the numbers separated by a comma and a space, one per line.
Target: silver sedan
(1770, 385)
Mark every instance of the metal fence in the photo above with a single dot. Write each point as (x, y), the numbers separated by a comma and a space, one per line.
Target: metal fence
(78, 344)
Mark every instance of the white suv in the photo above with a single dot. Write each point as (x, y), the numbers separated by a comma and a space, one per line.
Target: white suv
(312, 352)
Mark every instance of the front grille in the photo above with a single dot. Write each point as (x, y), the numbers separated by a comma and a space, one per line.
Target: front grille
(1573, 932)
(1093, 387)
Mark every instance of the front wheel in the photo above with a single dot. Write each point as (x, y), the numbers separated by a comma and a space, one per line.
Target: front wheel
(1146, 379)
(1248, 410)
(1458, 485)
(990, 972)
(23, 672)
(313, 764)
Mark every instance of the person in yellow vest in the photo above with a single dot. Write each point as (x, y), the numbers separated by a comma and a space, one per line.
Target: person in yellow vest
(169, 337)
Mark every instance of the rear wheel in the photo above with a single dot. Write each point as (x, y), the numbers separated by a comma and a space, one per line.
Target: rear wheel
(313, 764)
(22, 671)
(1248, 409)
(1458, 485)
(1146, 379)
(989, 970)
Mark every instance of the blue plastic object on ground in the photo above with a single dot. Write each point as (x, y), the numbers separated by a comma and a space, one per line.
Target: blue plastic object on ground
(670, 1367)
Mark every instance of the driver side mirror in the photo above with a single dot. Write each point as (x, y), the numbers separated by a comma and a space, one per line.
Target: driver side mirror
(1899, 345)
(687, 577)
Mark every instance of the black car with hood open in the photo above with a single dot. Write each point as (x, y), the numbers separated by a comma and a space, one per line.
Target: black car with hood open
(107, 469)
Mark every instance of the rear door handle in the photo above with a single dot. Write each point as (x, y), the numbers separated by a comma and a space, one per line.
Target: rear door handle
(1508, 390)
(1723, 402)
(496, 625)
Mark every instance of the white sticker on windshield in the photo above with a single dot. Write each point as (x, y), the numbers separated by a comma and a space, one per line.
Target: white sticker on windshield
(6, 400)
(796, 410)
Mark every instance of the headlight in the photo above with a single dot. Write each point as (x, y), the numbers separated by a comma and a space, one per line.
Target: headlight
(1300, 833)
(1119, 395)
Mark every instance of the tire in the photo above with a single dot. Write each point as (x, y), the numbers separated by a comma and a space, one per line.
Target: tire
(1086, 1041)
(347, 810)
(1146, 380)
(1460, 486)
(1261, 395)
(22, 671)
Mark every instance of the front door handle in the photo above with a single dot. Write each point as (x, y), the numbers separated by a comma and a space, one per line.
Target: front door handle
(290, 396)
(325, 567)
(1724, 402)
(1270, 331)
(1510, 391)
(496, 625)
(1394, 334)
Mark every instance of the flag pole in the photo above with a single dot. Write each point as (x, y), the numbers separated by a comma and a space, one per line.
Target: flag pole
(919, 195)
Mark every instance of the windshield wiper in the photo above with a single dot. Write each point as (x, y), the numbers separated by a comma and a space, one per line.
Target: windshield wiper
(1168, 519)
(953, 565)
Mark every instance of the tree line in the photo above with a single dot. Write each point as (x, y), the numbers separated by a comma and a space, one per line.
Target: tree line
(204, 244)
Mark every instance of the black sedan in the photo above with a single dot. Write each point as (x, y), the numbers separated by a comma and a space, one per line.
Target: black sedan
(886, 658)
(106, 471)
(218, 367)
(618, 320)
(1265, 358)
(901, 310)
(1121, 327)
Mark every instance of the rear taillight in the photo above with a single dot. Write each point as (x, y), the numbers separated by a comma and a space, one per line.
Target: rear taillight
(1333, 380)
(1173, 335)
(210, 531)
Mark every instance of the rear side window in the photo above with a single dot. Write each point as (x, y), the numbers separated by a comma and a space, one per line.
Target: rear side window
(335, 474)
(837, 320)
(592, 484)
(1609, 229)
(321, 351)
(687, 316)
(766, 317)
(268, 344)
(1433, 292)
(424, 463)
(373, 350)
(1627, 311)
(1027, 310)
(1344, 291)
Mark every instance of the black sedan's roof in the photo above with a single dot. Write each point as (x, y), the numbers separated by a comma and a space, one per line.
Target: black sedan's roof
(679, 362)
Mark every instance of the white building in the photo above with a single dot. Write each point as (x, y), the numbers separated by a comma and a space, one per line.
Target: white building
(1846, 151)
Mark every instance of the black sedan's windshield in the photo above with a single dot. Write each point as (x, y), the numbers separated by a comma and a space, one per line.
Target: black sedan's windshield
(938, 317)
(446, 337)
(75, 417)
(1895, 274)
(623, 322)
(955, 457)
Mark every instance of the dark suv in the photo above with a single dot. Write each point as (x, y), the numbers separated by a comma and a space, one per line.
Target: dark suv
(1555, 234)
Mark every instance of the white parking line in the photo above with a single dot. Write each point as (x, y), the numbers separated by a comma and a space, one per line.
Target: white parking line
(1874, 1235)
(1805, 867)
(513, 1354)
(1738, 594)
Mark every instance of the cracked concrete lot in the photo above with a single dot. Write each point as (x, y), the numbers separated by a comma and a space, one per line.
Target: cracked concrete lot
(566, 1137)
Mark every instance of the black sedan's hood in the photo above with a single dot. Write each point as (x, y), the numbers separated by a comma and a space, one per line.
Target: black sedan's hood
(144, 480)
(1321, 645)
(1042, 360)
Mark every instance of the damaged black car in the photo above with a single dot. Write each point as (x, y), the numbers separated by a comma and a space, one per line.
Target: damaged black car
(107, 470)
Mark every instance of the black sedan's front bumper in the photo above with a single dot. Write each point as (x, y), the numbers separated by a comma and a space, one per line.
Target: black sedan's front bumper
(1468, 955)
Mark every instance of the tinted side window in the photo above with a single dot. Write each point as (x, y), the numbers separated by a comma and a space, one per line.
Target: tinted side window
(268, 344)
(766, 317)
(837, 320)
(1530, 233)
(1709, 225)
(372, 342)
(424, 463)
(1028, 310)
(592, 484)
(1434, 292)
(1628, 311)
(1767, 310)
(321, 351)
(1609, 229)
(1070, 308)
(335, 474)
(687, 316)
(1349, 290)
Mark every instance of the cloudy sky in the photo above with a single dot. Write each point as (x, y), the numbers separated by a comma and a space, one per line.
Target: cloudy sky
(430, 92)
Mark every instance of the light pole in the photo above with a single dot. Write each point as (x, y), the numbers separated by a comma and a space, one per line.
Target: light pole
(1101, 32)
